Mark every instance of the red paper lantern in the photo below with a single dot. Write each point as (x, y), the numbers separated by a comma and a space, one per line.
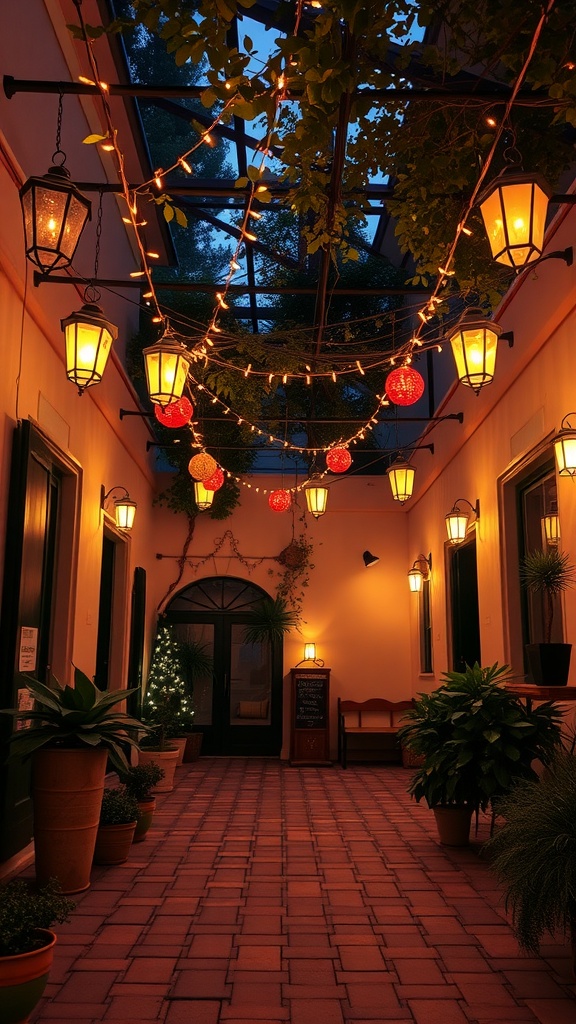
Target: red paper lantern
(338, 460)
(202, 466)
(404, 386)
(280, 501)
(176, 414)
(214, 482)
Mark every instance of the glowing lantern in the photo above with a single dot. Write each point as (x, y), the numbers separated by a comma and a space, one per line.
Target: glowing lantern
(89, 336)
(167, 364)
(316, 495)
(176, 414)
(280, 501)
(401, 477)
(474, 343)
(214, 482)
(514, 209)
(404, 386)
(55, 213)
(202, 496)
(202, 466)
(565, 448)
(338, 460)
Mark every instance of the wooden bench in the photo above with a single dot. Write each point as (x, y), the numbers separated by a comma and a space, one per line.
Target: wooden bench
(376, 719)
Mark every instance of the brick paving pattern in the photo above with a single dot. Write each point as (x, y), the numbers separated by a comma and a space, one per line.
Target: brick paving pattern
(271, 894)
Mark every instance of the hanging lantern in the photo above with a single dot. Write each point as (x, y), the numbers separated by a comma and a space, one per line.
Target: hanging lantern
(167, 364)
(55, 213)
(338, 460)
(176, 414)
(202, 496)
(551, 527)
(565, 448)
(401, 477)
(415, 580)
(514, 209)
(404, 386)
(316, 496)
(89, 336)
(214, 482)
(474, 342)
(202, 466)
(280, 501)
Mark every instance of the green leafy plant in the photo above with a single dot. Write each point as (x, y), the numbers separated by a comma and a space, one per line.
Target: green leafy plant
(549, 573)
(477, 739)
(140, 779)
(167, 705)
(534, 853)
(270, 621)
(24, 909)
(195, 661)
(75, 716)
(119, 807)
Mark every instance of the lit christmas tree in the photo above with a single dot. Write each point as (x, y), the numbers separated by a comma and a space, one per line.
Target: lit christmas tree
(167, 705)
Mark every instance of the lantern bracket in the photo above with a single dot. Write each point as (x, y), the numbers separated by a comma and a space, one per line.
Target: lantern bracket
(475, 508)
(104, 494)
(427, 560)
(566, 254)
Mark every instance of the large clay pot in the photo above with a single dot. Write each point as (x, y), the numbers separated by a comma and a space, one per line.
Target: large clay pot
(167, 760)
(23, 979)
(549, 663)
(67, 787)
(180, 743)
(113, 843)
(146, 810)
(453, 824)
(193, 747)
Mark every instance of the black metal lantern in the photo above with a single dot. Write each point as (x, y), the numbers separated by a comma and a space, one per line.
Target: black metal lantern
(89, 336)
(474, 342)
(167, 364)
(514, 209)
(55, 213)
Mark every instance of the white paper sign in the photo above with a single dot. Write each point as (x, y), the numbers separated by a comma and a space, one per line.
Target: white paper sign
(28, 649)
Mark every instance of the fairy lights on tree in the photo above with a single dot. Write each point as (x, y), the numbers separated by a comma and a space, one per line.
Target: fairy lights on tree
(167, 705)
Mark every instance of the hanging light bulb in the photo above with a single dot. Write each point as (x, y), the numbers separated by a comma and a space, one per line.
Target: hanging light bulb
(401, 477)
(474, 342)
(88, 336)
(167, 364)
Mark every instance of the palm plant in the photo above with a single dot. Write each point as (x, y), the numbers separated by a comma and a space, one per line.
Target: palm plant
(548, 573)
(270, 621)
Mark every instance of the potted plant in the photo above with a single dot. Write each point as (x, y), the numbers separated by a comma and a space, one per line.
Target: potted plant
(74, 730)
(118, 818)
(166, 703)
(534, 853)
(197, 663)
(139, 782)
(27, 943)
(476, 739)
(548, 573)
(270, 621)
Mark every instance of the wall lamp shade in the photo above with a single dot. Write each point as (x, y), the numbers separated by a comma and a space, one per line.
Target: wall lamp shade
(370, 559)
(514, 211)
(419, 572)
(457, 520)
(565, 448)
(474, 343)
(54, 213)
(167, 364)
(202, 496)
(309, 652)
(401, 477)
(88, 336)
(124, 508)
(316, 496)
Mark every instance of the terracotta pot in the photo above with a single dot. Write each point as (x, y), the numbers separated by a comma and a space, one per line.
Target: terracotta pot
(146, 810)
(193, 747)
(113, 843)
(549, 663)
(453, 824)
(180, 743)
(23, 979)
(67, 787)
(167, 760)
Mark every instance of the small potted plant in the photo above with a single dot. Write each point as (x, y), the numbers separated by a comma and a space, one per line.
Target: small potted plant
(477, 739)
(118, 819)
(548, 573)
(534, 854)
(139, 782)
(27, 943)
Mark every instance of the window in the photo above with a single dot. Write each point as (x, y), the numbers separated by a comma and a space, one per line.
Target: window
(425, 626)
(536, 500)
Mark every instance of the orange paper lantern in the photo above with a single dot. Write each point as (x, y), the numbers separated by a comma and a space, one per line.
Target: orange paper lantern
(202, 466)
(338, 460)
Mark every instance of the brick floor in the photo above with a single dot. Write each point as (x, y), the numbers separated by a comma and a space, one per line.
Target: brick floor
(265, 894)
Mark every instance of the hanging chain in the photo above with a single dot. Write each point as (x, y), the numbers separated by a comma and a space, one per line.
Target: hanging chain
(92, 293)
(59, 151)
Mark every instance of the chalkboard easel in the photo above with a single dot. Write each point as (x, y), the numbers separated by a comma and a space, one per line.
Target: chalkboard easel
(310, 717)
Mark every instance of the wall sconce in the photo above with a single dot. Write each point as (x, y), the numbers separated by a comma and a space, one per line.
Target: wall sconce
(551, 526)
(565, 447)
(370, 559)
(124, 507)
(202, 496)
(167, 364)
(457, 520)
(88, 336)
(316, 495)
(474, 342)
(417, 575)
(401, 477)
(310, 655)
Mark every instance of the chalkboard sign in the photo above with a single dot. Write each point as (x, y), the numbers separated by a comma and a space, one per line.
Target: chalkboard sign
(310, 720)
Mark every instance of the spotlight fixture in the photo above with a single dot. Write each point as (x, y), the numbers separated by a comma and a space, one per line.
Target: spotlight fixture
(457, 520)
(417, 575)
(565, 447)
(370, 559)
(124, 507)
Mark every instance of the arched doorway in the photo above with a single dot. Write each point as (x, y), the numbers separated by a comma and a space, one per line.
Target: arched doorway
(238, 703)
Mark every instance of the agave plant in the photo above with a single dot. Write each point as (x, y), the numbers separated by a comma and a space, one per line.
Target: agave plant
(73, 716)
